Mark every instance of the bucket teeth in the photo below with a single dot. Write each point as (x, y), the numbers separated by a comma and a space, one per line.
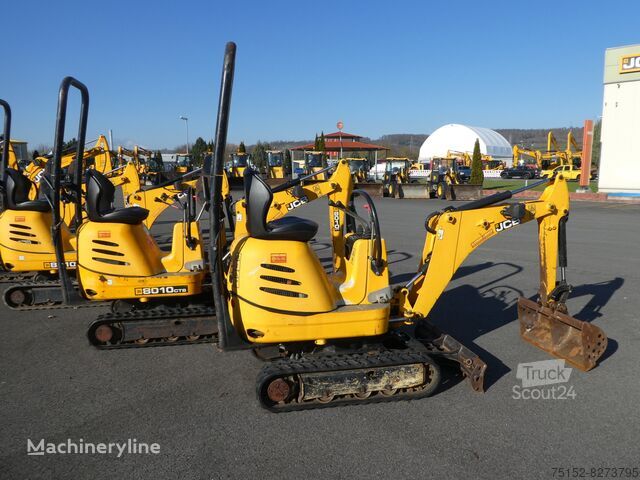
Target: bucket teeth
(579, 343)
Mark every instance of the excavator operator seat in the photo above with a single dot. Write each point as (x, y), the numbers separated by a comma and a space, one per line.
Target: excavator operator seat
(17, 192)
(99, 202)
(258, 196)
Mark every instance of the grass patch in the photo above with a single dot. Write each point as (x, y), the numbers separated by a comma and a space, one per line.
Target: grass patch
(511, 184)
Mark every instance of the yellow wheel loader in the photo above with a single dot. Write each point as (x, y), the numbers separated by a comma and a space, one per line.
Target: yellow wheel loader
(348, 336)
(359, 169)
(235, 167)
(275, 164)
(314, 162)
(443, 178)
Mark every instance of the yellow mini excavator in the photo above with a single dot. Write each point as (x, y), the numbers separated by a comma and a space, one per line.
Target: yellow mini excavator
(26, 249)
(348, 336)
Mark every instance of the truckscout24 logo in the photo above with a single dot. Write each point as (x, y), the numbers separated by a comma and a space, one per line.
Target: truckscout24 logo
(630, 63)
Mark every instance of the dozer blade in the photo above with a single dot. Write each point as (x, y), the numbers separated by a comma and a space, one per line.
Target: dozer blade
(373, 189)
(579, 343)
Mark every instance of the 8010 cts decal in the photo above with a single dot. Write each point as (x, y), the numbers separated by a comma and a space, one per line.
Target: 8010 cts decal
(168, 290)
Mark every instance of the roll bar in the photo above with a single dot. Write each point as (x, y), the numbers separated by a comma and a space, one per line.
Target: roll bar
(6, 141)
(227, 335)
(76, 186)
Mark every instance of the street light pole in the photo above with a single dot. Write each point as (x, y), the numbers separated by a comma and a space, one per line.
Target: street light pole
(186, 122)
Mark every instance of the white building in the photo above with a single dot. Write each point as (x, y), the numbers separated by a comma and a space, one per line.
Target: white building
(620, 150)
(461, 138)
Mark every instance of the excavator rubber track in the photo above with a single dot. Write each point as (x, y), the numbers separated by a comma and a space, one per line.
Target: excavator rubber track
(322, 380)
(47, 295)
(154, 328)
(15, 277)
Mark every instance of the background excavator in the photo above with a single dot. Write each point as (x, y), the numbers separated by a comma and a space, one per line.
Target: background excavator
(348, 336)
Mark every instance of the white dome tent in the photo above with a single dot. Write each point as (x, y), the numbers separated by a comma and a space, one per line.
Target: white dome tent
(461, 138)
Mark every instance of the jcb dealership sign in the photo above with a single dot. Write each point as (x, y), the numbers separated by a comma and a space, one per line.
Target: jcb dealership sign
(630, 63)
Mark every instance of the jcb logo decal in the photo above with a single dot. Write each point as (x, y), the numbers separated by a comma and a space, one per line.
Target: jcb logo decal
(630, 64)
(505, 225)
(297, 203)
(278, 258)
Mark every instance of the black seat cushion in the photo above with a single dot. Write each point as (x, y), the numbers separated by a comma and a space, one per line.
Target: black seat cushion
(291, 228)
(99, 202)
(17, 192)
(258, 197)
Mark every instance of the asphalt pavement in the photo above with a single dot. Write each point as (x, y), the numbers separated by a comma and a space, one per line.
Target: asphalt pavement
(198, 404)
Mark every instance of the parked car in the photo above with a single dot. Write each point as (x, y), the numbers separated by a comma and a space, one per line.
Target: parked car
(520, 171)
(465, 174)
(570, 172)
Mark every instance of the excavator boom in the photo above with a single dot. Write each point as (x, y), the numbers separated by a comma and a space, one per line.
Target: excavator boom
(454, 233)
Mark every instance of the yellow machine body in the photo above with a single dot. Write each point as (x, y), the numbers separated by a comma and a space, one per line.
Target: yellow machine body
(121, 261)
(276, 172)
(98, 157)
(17, 152)
(280, 293)
(337, 188)
(26, 245)
(157, 200)
(275, 163)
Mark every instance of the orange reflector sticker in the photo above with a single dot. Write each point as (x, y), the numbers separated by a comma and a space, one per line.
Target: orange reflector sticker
(278, 258)
(104, 234)
(19, 219)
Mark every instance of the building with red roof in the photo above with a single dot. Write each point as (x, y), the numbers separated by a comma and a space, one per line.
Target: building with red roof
(342, 144)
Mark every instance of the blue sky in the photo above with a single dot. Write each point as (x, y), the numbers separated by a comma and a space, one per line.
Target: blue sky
(380, 67)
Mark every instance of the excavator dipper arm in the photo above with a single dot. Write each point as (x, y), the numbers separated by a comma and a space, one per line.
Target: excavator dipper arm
(456, 232)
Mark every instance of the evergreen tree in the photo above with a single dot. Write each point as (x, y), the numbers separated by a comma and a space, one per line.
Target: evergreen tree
(477, 178)
(259, 156)
(198, 150)
(316, 144)
(242, 148)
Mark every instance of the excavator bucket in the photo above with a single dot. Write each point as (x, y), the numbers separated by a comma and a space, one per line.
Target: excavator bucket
(579, 343)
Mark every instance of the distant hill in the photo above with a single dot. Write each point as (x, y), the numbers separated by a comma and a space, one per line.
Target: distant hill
(408, 144)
